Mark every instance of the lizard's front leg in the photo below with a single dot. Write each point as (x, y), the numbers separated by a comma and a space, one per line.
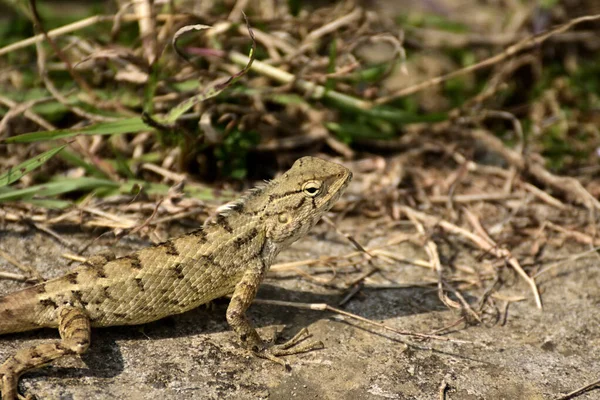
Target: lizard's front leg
(74, 328)
(242, 298)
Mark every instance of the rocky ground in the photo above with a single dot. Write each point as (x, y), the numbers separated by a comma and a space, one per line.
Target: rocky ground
(531, 355)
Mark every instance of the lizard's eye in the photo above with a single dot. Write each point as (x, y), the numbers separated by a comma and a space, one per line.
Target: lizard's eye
(312, 188)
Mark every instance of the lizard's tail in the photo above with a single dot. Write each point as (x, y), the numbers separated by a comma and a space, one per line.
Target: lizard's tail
(22, 311)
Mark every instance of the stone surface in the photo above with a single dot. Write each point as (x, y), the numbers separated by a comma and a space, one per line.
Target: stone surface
(534, 355)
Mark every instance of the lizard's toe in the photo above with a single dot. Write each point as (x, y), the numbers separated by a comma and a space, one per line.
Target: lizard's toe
(293, 346)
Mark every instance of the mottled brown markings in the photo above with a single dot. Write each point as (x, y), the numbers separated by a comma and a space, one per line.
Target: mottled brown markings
(255, 255)
(247, 285)
(49, 303)
(221, 220)
(178, 269)
(106, 293)
(208, 258)
(67, 351)
(100, 273)
(72, 278)
(296, 230)
(200, 234)
(34, 353)
(97, 269)
(175, 302)
(120, 315)
(291, 208)
(39, 289)
(169, 248)
(134, 261)
(8, 312)
(77, 296)
(241, 241)
(276, 196)
(300, 204)
(70, 319)
(84, 330)
(140, 284)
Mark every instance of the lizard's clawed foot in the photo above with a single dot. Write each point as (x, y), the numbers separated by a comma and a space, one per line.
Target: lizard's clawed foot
(8, 389)
(295, 345)
(28, 396)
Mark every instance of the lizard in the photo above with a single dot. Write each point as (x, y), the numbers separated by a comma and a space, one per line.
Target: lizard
(229, 255)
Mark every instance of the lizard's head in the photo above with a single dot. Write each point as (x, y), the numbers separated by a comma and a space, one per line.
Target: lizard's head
(296, 200)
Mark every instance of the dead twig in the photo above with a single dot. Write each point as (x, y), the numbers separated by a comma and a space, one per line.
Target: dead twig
(578, 236)
(78, 25)
(481, 243)
(476, 197)
(37, 23)
(25, 109)
(16, 277)
(147, 25)
(524, 44)
(348, 237)
(330, 27)
(582, 390)
(31, 272)
(326, 307)
(434, 259)
(572, 258)
(570, 187)
(443, 389)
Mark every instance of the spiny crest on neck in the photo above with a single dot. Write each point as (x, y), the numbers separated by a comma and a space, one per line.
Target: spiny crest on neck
(238, 205)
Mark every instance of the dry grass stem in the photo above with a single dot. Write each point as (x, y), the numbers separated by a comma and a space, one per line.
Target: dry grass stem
(78, 25)
(14, 277)
(482, 243)
(591, 253)
(326, 307)
(30, 272)
(582, 390)
(524, 44)
(570, 187)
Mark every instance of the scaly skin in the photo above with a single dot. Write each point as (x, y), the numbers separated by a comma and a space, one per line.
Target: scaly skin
(230, 254)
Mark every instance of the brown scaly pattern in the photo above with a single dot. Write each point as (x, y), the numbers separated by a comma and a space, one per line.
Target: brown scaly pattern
(230, 254)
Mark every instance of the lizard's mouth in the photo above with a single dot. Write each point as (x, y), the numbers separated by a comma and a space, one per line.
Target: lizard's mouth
(345, 182)
(338, 188)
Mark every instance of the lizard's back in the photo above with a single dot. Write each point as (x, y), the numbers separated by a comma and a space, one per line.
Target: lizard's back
(149, 284)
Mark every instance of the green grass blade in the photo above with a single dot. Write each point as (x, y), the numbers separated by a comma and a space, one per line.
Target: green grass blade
(14, 174)
(126, 125)
(102, 187)
(75, 160)
(57, 187)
